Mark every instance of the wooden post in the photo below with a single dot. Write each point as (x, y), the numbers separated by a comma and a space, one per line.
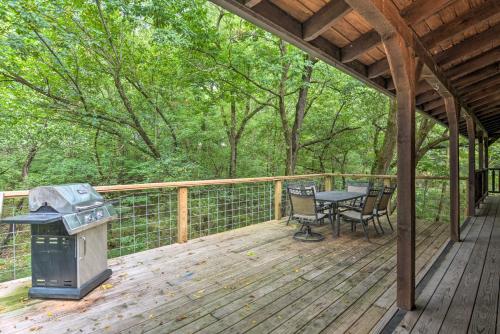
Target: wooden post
(328, 183)
(471, 133)
(480, 146)
(487, 164)
(387, 183)
(182, 215)
(278, 189)
(453, 113)
(402, 63)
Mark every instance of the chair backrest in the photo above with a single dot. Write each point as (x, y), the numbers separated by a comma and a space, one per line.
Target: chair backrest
(302, 200)
(358, 187)
(369, 202)
(385, 198)
(304, 184)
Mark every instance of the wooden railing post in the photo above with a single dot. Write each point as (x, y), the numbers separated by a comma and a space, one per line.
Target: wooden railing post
(182, 214)
(453, 115)
(471, 184)
(278, 188)
(328, 183)
(387, 183)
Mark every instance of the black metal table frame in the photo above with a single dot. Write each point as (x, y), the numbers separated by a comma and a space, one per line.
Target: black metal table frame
(335, 198)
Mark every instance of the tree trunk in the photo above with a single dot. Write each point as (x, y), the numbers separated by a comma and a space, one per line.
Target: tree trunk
(384, 155)
(300, 110)
(233, 141)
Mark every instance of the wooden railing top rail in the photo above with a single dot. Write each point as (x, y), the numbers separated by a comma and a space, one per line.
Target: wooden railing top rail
(200, 183)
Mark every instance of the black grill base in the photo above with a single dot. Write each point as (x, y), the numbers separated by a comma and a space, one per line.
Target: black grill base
(69, 293)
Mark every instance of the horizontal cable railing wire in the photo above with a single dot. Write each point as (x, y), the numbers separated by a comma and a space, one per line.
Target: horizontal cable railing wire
(148, 214)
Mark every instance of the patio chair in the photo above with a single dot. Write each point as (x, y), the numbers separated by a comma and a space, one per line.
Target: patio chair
(321, 207)
(364, 213)
(305, 211)
(382, 206)
(356, 187)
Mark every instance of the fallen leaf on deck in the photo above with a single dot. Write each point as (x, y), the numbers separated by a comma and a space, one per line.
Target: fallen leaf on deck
(180, 317)
(106, 286)
(37, 328)
(49, 314)
(251, 253)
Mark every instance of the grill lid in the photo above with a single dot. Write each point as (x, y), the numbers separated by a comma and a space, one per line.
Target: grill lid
(65, 199)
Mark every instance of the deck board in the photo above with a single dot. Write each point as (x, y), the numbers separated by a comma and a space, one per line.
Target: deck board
(462, 294)
(255, 279)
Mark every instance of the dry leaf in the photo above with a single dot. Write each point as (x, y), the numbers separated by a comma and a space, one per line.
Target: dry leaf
(181, 317)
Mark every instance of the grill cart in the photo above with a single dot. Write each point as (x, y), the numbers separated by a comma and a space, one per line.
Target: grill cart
(68, 240)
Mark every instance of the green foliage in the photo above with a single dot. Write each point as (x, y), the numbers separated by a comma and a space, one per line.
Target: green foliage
(123, 92)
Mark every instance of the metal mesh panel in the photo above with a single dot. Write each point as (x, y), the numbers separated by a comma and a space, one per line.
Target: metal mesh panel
(215, 209)
(145, 220)
(15, 243)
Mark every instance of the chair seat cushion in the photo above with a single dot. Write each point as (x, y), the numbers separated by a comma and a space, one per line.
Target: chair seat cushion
(310, 217)
(352, 214)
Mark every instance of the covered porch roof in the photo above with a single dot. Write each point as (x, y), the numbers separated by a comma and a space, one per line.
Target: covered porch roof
(457, 41)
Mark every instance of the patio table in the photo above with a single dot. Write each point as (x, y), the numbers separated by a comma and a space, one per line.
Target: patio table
(335, 198)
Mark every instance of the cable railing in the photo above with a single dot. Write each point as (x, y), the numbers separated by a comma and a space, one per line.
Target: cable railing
(159, 214)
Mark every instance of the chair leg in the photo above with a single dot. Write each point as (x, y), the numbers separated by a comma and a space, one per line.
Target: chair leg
(389, 221)
(366, 231)
(379, 224)
(374, 225)
(288, 221)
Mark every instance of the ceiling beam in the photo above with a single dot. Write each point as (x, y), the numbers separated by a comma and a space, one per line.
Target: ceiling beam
(470, 45)
(384, 17)
(487, 83)
(378, 68)
(251, 3)
(475, 77)
(461, 23)
(360, 46)
(323, 19)
(427, 97)
(486, 112)
(434, 104)
(422, 9)
(474, 64)
(485, 102)
(482, 94)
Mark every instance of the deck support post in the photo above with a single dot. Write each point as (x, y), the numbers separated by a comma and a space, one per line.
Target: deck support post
(471, 180)
(453, 113)
(402, 63)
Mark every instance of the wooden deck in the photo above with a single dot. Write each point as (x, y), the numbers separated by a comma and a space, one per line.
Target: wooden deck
(460, 294)
(255, 279)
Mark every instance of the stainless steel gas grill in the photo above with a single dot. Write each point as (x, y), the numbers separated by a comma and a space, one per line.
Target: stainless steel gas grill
(68, 240)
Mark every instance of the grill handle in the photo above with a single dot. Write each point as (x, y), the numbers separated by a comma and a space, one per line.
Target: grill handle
(84, 247)
(87, 207)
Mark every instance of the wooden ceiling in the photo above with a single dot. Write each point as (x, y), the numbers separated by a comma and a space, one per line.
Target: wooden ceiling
(462, 37)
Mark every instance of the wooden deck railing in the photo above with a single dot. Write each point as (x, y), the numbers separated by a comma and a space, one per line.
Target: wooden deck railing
(157, 214)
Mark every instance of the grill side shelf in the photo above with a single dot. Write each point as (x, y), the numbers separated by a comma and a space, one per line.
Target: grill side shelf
(32, 219)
